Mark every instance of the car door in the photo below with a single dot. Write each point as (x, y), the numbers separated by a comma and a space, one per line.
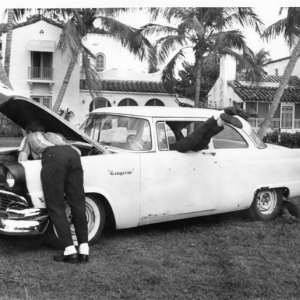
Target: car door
(174, 183)
(240, 166)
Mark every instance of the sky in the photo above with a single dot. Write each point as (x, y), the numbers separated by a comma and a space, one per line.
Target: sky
(267, 10)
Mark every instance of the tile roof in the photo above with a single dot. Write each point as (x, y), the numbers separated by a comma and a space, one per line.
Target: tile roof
(294, 81)
(254, 93)
(128, 86)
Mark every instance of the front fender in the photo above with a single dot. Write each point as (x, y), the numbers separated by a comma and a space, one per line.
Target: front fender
(121, 215)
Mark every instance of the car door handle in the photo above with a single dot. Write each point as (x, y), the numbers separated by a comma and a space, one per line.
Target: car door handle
(207, 152)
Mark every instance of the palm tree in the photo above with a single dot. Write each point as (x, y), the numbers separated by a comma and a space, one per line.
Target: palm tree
(290, 28)
(80, 23)
(253, 65)
(205, 31)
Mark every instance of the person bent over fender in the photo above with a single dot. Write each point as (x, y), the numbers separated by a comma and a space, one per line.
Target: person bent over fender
(61, 174)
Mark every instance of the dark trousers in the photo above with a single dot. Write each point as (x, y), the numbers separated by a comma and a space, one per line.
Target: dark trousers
(61, 174)
(200, 138)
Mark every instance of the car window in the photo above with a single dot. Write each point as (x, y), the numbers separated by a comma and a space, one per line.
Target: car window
(171, 131)
(119, 131)
(229, 138)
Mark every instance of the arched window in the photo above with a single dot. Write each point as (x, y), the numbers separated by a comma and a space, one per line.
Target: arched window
(154, 102)
(128, 102)
(98, 103)
(100, 62)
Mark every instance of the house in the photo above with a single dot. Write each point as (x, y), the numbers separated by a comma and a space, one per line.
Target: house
(232, 87)
(37, 71)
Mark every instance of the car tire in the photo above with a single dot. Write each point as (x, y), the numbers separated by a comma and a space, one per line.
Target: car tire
(266, 204)
(95, 218)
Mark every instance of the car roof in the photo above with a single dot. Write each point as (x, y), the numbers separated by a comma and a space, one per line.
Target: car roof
(157, 111)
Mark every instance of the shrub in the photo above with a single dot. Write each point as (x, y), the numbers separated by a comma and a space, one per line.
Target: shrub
(289, 140)
(8, 128)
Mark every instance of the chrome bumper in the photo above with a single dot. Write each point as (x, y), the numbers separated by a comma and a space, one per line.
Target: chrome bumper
(23, 221)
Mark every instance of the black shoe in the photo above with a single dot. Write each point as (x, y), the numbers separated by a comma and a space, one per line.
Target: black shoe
(72, 258)
(83, 258)
(231, 120)
(236, 111)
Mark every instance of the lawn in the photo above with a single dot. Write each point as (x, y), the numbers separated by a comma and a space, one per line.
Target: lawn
(218, 257)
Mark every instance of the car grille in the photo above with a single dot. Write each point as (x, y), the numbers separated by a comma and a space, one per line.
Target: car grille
(6, 198)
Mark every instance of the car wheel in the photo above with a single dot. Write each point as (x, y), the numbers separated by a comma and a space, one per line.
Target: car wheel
(266, 204)
(95, 219)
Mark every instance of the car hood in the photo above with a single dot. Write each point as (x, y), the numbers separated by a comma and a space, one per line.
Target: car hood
(21, 110)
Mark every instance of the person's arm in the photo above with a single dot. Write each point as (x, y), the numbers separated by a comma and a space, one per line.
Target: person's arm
(22, 156)
(24, 150)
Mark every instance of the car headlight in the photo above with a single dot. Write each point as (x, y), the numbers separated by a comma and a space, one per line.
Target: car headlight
(10, 180)
(14, 177)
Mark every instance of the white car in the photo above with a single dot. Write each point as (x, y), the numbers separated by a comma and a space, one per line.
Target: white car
(131, 178)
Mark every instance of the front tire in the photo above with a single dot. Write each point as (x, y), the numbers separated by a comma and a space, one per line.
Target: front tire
(266, 204)
(95, 219)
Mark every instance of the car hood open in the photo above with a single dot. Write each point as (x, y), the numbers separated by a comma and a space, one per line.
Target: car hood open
(21, 110)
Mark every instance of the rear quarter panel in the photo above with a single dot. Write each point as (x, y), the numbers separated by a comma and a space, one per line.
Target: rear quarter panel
(244, 171)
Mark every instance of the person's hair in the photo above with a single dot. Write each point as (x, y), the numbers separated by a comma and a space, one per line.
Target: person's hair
(35, 126)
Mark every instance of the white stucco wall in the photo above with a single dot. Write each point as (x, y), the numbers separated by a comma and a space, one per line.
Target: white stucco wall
(281, 65)
(21, 62)
(116, 56)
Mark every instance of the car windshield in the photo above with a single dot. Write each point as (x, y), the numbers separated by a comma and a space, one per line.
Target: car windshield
(119, 131)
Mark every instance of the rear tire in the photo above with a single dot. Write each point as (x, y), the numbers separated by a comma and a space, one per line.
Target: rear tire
(95, 219)
(266, 204)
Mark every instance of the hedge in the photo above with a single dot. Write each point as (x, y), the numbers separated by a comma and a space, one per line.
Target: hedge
(9, 128)
(290, 140)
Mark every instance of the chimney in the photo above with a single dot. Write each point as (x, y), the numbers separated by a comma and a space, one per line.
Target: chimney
(227, 68)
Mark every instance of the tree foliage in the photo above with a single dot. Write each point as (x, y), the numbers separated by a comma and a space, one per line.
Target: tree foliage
(289, 27)
(208, 32)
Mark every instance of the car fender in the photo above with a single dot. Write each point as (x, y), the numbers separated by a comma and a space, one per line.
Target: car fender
(123, 219)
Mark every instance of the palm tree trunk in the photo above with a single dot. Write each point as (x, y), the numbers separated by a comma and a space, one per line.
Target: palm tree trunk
(3, 77)
(283, 83)
(10, 23)
(64, 86)
(198, 82)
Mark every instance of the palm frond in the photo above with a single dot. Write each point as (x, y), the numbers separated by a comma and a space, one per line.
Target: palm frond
(70, 39)
(93, 81)
(246, 16)
(129, 37)
(168, 45)
(233, 39)
(151, 28)
(168, 73)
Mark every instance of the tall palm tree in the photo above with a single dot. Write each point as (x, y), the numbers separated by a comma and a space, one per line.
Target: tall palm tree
(290, 28)
(82, 21)
(253, 65)
(205, 31)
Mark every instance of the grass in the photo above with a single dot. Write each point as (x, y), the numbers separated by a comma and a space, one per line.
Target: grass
(218, 257)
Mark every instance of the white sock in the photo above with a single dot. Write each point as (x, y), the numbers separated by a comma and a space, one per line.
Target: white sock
(70, 250)
(220, 122)
(84, 248)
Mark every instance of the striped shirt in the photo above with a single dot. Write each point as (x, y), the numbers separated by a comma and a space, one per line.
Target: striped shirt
(36, 142)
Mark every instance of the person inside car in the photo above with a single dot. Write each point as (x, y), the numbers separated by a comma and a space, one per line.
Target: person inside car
(201, 136)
